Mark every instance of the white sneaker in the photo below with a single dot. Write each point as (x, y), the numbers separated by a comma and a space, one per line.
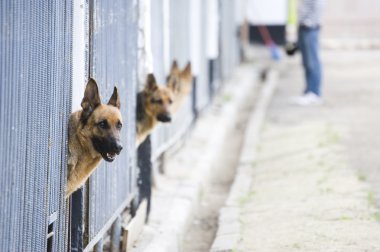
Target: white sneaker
(308, 99)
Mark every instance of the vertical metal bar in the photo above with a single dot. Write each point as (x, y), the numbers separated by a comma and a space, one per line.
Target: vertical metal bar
(144, 181)
(115, 235)
(211, 78)
(79, 37)
(77, 212)
(194, 98)
(79, 77)
(50, 237)
(90, 36)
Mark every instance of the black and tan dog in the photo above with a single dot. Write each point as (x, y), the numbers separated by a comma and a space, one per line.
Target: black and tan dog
(181, 82)
(94, 133)
(153, 106)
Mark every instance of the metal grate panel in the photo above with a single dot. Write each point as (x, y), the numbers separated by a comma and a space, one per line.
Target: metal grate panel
(113, 61)
(229, 38)
(35, 55)
(166, 134)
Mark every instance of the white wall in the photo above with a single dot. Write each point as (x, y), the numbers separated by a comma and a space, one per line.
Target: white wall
(268, 12)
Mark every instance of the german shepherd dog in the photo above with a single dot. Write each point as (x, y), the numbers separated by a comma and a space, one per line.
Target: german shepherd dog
(153, 106)
(181, 82)
(94, 133)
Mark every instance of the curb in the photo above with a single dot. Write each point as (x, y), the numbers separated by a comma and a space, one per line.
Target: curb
(177, 194)
(228, 234)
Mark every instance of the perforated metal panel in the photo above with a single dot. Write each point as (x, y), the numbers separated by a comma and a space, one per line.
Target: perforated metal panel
(157, 40)
(202, 80)
(179, 29)
(35, 83)
(35, 93)
(229, 38)
(113, 61)
(207, 71)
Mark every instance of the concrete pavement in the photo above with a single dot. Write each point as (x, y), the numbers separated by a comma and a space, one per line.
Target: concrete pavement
(351, 24)
(308, 180)
(351, 19)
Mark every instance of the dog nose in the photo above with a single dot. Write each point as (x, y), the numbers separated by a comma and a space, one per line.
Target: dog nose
(119, 147)
(167, 119)
(164, 118)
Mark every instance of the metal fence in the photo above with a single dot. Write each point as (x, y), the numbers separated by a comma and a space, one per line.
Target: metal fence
(113, 61)
(173, 18)
(36, 88)
(192, 26)
(35, 83)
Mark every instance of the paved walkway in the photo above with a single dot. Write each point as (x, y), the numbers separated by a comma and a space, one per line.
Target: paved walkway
(307, 190)
(343, 19)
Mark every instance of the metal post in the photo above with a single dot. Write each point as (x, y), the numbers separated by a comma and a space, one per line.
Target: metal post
(115, 235)
(144, 181)
(211, 76)
(194, 98)
(77, 212)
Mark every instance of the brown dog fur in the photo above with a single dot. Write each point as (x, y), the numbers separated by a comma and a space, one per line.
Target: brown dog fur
(94, 133)
(153, 106)
(181, 82)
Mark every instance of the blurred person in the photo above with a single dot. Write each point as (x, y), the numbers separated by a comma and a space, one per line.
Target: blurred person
(310, 12)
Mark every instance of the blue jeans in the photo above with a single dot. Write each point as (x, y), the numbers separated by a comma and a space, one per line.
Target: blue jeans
(308, 43)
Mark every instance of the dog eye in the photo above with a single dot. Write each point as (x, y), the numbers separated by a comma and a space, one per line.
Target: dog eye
(170, 101)
(103, 124)
(157, 101)
(119, 125)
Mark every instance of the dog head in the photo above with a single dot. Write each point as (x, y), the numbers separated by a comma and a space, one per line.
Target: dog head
(102, 123)
(157, 100)
(180, 81)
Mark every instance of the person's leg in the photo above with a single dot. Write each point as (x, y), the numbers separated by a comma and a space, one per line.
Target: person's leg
(309, 48)
(312, 64)
(302, 44)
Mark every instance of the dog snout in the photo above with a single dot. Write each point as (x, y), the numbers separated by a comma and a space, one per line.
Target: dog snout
(118, 147)
(164, 117)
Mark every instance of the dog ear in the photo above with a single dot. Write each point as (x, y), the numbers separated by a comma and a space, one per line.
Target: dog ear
(172, 82)
(172, 79)
(187, 69)
(90, 100)
(115, 99)
(174, 65)
(151, 83)
(91, 97)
